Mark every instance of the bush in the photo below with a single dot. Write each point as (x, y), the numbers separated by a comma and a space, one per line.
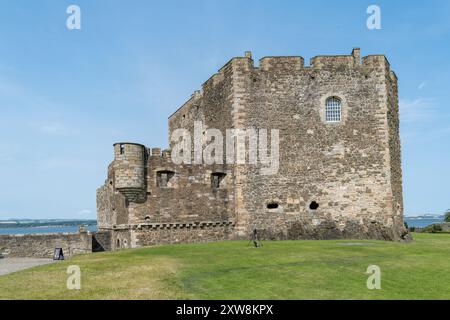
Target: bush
(447, 216)
(434, 228)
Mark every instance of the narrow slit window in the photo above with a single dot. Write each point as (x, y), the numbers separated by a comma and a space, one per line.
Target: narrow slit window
(333, 110)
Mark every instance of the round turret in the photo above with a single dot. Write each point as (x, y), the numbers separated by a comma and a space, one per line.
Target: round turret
(129, 166)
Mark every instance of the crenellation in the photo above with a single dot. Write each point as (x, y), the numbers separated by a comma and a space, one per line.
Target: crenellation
(281, 63)
(156, 152)
(376, 61)
(333, 62)
(166, 154)
(356, 54)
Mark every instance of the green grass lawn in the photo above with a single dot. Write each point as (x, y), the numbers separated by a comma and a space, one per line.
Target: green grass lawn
(233, 270)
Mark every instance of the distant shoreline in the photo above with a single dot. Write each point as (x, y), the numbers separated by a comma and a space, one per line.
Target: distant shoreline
(4, 224)
(45, 229)
(45, 226)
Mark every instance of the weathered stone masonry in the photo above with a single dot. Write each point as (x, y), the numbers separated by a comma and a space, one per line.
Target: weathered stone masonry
(336, 179)
(43, 245)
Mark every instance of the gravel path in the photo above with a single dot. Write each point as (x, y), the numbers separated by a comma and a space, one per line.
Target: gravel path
(8, 265)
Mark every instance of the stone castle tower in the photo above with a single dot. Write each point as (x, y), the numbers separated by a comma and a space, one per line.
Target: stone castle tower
(339, 173)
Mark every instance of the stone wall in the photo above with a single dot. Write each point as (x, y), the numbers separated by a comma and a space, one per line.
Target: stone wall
(172, 233)
(43, 245)
(101, 241)
(121, 239)
(344, 167)
(351, 169)
(111, 206)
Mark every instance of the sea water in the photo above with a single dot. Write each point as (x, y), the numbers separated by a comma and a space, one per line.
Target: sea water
(50, 229)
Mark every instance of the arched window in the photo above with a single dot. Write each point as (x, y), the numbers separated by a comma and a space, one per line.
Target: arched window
(333, 110)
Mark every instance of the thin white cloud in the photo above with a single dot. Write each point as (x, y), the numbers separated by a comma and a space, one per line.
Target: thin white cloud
(417, 110)
(84, 212)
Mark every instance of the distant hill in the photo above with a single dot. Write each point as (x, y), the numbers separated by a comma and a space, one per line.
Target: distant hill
(426, 216)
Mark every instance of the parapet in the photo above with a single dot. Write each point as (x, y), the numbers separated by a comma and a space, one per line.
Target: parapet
(128, 149)
(166, 154)
(237, 63)
(238, 68)
(321, 62)
(336, 61)
(281, 63)
(350, 61)
(160, 157)
(376, 60)
(156, 152)
(197, 95)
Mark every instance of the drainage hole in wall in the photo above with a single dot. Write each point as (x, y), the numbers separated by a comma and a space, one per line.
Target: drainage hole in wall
(272, 205)
(313, 205)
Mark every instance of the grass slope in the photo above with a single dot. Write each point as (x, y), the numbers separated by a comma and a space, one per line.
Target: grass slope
(233, 270)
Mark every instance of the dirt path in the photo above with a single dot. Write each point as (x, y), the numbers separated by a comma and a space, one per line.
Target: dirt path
(8, 265)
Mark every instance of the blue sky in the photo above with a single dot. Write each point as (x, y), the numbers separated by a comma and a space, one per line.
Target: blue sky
(67, 95)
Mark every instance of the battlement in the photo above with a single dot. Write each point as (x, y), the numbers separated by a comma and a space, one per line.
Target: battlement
(155, 152)
(196, 96)
(376, 60)
(238, 67)
(242, 63)
(281, 63)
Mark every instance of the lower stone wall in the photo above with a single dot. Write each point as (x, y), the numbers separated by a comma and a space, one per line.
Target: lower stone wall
(176, 233)
(101, 241)
(326, 228)
(121, 239)
(43, 245)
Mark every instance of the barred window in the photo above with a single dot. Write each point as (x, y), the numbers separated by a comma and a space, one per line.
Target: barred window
(333, 110)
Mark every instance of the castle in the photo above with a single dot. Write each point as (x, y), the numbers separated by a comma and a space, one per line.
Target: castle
(339, 172)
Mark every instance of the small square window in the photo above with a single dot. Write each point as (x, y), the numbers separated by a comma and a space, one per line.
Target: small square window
(163, 178)
(218, 180)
